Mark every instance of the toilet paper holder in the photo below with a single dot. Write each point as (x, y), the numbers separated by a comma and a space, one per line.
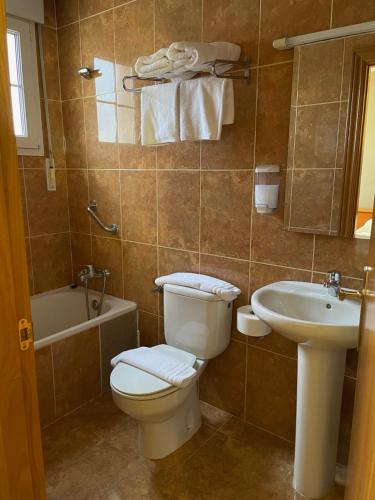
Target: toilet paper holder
(249, 324)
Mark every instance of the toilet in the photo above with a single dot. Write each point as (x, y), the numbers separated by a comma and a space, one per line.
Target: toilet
(197, 327)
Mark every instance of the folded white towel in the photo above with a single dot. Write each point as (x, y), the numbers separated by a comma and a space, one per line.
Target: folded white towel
(159, 114)
(159, 364)
(153, 65)
(195, 55)
(222, 289)
(205, 105)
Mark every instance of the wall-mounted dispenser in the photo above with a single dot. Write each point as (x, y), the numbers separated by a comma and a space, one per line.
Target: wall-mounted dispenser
(267, 182)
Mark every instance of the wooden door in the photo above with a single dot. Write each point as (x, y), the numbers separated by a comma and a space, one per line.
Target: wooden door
(21, 462)
(361, 477)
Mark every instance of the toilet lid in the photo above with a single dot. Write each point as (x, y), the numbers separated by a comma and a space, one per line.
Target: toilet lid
(136, 382)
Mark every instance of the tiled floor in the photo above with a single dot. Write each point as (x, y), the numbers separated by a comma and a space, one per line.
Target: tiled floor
(93, 454)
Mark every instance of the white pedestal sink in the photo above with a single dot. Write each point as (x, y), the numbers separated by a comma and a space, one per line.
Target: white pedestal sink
(324, 329)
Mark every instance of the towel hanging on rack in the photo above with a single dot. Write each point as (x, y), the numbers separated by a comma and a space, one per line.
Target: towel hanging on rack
(206, 104)
(159, 114)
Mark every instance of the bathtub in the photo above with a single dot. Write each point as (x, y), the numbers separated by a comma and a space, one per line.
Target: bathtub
(73, 355)
(61, 313)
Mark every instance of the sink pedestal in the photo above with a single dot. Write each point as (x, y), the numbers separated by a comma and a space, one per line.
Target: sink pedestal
(319, 393)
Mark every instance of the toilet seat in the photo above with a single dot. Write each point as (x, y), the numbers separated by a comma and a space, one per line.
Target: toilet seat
(135, 383)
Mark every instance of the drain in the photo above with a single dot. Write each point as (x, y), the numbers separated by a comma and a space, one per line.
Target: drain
(328, 306)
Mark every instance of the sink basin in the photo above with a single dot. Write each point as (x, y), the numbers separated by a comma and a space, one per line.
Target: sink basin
(324, 328)
(306, 313)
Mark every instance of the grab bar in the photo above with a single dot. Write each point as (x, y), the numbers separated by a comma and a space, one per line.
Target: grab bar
(112, 228)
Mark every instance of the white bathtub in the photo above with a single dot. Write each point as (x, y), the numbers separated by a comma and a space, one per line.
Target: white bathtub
(61, 313)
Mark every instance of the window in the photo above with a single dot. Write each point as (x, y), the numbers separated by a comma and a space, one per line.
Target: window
(24, 86)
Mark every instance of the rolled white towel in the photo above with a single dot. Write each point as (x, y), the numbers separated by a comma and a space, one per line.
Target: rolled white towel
(222, 289)
(195, 55)
(153, 64)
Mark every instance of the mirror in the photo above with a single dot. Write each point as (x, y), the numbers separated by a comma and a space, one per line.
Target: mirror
(330, 181)
(364, 215)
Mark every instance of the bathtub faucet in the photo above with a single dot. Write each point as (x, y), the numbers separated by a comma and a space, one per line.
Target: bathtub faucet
(90, 271)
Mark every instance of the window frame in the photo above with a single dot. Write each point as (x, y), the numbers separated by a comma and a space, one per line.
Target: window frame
(32, 144)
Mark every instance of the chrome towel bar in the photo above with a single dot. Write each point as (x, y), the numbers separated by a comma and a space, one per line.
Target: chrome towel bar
(112, 228)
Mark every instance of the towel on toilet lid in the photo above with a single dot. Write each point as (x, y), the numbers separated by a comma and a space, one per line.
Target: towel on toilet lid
(222, 289)
(158, 363)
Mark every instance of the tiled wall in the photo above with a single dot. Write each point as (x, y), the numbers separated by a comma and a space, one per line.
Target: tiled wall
(189, 206)
(318, 120)
(46, 213)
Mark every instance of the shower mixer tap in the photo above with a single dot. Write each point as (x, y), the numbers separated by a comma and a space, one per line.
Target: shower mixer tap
(89, 271)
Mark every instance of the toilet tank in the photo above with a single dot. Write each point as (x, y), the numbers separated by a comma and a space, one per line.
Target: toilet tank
(196, 321)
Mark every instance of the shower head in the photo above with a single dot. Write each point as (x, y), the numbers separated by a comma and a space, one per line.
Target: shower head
(89, 73)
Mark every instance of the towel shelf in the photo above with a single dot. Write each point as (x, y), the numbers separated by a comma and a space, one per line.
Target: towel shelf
(220, 68)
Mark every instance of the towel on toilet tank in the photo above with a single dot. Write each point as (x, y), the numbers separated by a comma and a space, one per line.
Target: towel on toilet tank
(222, 289)
(159, 364)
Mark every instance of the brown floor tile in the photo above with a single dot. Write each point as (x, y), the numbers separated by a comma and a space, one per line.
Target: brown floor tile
(93, 454)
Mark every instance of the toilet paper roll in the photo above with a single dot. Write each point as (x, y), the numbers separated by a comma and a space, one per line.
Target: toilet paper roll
(249, 324)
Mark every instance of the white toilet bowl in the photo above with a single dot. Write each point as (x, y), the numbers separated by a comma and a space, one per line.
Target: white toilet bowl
(197, 328)
(167, 416)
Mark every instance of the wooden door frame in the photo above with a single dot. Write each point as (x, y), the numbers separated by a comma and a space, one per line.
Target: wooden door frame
(13, 250)
(362, 60)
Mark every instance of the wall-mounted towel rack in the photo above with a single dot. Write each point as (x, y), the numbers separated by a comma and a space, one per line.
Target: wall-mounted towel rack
(220, 68)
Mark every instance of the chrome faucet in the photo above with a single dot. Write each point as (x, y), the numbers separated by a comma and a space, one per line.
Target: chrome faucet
(333, 283)
(90, 271)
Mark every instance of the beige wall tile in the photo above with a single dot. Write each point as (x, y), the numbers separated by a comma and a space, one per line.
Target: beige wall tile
(352, 12)
(74, 132)
(346, 420)
(44, 377)
(235, 21)
(178, 205)
(29, 266)
(97, 45)
(23, 200)
(57, 133)
(76, 362)
(226, 213)
(346, 255)
(91, 7)
(148, 327)
(104, 187)
(174, 261)
(49, 13)
(237, 273)
(290, 18)
(81, 253)
(78, 200)
(66, 11)
(140, 270)
(181, 155)
(236, 146)
(138, 198)
(320, 72)
(51, 63)
(134, 35)
(308, 187)
(107, 254)
(167, 30)
(222, 384)
(272, 129)
(271, 392)
(70, 61)
(51, 261)
(48, 210)
(101, 131)
(316, 137)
